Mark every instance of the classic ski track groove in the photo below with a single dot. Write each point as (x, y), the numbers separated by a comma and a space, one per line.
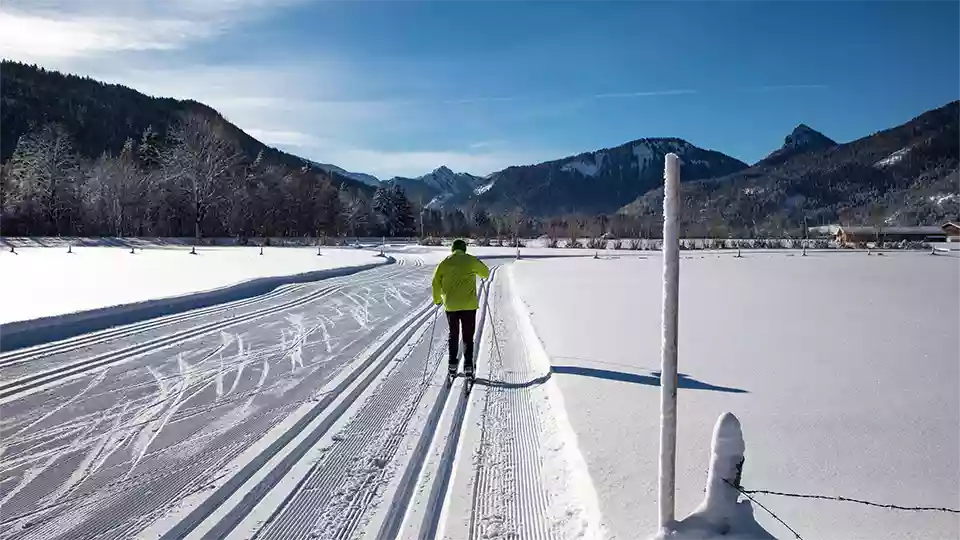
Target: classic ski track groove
(508, 472)
(430, 436)
(27, 354)
(297, 516)
(380, 359)
(440, 489)
(11, 390)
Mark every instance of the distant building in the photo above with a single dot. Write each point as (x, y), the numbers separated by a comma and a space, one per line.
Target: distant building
(823, 230)
(952, 230)
(861, 235)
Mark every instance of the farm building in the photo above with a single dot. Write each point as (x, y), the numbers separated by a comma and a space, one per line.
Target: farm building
(860, 235)
(952, 230)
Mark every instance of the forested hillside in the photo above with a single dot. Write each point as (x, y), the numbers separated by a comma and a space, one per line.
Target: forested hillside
(85, 158)
(907, 175)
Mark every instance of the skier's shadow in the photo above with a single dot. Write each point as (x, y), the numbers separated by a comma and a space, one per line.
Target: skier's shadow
(683, 381)
(510, 385)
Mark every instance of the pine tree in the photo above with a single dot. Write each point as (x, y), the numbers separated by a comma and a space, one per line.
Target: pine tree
(481, 220)
(405, 219)
(384, 206)
(148, 153)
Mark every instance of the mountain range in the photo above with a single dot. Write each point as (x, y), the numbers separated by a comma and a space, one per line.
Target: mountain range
(439, 188)
(907, 174)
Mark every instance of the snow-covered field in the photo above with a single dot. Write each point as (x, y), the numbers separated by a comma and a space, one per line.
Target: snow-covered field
(43, 282)
(320, 409)
(843, 368)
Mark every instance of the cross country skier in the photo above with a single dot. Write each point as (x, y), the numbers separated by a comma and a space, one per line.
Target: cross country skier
(455, 286)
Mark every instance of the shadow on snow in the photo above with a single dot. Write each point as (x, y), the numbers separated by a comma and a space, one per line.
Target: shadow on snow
(683, 381)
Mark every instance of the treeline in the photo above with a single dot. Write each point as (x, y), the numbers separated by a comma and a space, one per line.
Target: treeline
(195, 182)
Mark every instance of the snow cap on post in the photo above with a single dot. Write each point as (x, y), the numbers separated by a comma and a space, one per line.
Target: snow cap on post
(668, 346)
(726, 465)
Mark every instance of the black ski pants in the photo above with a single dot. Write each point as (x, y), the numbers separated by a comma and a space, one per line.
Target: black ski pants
(465, 321)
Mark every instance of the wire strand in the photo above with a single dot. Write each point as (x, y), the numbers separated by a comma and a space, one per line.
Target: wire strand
(741, 490)
(848, 499)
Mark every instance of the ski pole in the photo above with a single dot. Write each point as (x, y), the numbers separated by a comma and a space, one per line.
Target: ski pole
(433, 328)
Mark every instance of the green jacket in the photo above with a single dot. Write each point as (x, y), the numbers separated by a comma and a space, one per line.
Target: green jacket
(455, 281)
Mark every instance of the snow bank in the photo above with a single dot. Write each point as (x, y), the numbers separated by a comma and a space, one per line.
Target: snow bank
(49, 293)
(842, 367)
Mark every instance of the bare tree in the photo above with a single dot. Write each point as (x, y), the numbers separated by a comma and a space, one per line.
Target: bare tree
(201, 162)
(43, 178)
(116, 191)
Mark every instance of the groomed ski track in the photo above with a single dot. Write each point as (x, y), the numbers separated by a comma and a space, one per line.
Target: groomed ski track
(103, 452)
(377, 446)
(500, 461)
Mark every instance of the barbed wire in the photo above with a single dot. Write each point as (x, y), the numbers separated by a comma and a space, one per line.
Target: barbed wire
(847, 499)
(749, 492)
(776, 517)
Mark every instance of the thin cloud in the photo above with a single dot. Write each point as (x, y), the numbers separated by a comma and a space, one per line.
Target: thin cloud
(485, 144)
(653, 93)
(295, 139)
(776, 87)
(36, 37)
(386, 164)
(42, 30)
(477, 100)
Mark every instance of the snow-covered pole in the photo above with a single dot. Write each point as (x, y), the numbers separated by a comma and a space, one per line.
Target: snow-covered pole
(726, 467)
(668, 346)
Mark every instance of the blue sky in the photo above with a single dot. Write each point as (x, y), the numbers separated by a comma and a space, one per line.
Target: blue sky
(402, 87)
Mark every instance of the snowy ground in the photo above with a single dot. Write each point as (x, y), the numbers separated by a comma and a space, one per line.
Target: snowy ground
(106, 433)
(842, 367)
(47, 281)
(320, 409)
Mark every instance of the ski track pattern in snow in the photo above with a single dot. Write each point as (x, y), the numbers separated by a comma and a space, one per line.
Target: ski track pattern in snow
(524, 477)
(347, 481)
(107, 451)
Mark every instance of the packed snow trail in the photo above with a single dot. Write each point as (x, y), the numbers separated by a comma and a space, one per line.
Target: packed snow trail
(339, 485)
(518, 472)
(104, 449)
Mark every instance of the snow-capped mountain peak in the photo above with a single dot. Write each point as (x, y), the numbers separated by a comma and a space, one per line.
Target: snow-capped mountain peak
(446, 181)
(439, 186)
